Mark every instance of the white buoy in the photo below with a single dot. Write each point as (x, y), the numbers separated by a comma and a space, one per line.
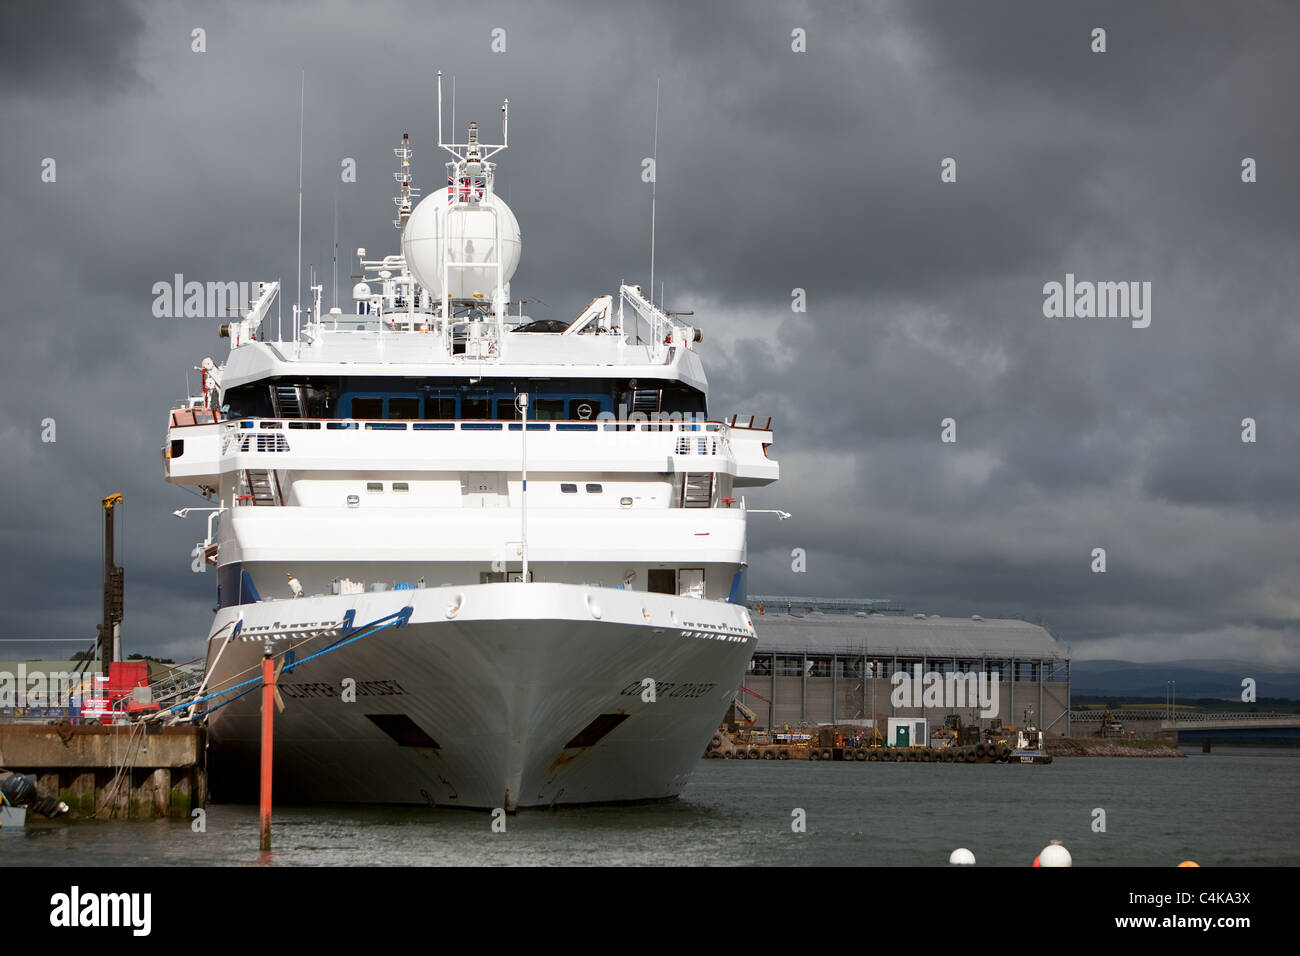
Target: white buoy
(1055, 855)
(961, 857)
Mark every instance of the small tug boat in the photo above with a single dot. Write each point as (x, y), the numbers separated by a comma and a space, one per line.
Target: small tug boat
(1030, 747)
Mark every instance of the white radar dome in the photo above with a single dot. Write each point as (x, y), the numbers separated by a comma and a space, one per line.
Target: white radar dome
(468, 234)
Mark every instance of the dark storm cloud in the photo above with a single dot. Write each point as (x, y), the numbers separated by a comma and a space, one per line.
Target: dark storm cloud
(63, 49)
(776, 170)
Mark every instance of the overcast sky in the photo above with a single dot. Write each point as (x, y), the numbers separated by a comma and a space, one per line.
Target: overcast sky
(778, 170)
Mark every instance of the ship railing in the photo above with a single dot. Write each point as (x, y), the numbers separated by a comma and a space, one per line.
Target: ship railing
(478, 425)
(340, 424)
(680, 438)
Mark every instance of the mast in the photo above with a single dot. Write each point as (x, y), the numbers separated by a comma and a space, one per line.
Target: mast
(297, 308)
(404, 203)
(110, 631)
(522, 403)
(403, 178)
(654, 182)
(471, 181)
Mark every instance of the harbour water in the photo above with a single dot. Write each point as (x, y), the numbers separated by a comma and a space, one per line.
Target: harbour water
(1235, 806)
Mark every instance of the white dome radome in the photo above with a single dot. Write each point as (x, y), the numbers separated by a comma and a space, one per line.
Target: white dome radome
(468, 233)
(361, 291)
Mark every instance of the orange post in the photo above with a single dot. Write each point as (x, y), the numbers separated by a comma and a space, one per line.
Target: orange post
(268, 712)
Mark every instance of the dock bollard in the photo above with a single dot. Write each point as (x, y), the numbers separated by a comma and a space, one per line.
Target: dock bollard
(268, 711)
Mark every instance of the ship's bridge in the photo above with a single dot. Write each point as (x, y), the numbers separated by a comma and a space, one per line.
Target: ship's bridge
(393, 337)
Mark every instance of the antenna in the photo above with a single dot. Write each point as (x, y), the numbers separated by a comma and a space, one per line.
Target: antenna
(654, 181)
(471, 185)
(460, 151)
(336, 249)
(521, 403)
(302, 98)
(403, 178)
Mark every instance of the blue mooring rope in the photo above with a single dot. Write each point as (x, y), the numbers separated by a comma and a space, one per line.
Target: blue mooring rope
(398, 619)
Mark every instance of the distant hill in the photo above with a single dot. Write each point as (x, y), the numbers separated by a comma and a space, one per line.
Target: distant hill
(1218, 679)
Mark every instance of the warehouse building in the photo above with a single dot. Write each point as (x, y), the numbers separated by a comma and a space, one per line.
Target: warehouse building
(862, 661)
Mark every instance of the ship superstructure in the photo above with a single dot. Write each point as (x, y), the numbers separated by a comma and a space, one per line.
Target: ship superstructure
(520, 544)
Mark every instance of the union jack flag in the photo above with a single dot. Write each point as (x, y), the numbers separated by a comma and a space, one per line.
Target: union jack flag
(465, 190)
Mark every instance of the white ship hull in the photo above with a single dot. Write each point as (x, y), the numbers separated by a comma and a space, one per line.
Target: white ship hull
(489, 696)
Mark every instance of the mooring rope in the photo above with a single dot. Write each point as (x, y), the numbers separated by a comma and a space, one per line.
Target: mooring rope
(396, 619)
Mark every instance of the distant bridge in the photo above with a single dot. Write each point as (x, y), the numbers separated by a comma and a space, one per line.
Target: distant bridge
(1196, 726)
(1228, 717)
(1236, 728)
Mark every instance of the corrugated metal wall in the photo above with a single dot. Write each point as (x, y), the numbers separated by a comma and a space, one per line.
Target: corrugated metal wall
(797, 700)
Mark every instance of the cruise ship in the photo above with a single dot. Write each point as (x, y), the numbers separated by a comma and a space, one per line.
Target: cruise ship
(499, 562)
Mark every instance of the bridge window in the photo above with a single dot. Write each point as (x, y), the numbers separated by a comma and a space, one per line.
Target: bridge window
(593, 489)
(547, 410)
(567, 488)
(403, 408)
(367, 408)
(373, 398)
(438, 406)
